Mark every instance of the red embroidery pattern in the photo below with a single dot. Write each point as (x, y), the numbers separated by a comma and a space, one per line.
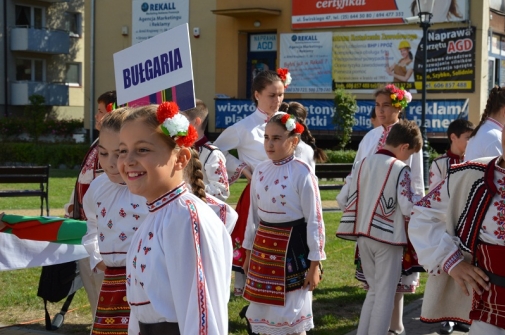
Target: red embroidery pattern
(434, 195)
(201, 281)
(223, 175)
(499, 218)
(405, 184)
(383, 138)
(237, 173)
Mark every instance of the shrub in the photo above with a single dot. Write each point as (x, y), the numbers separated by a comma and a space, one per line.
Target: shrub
(54, 154)
(345, 107)
(340, 156)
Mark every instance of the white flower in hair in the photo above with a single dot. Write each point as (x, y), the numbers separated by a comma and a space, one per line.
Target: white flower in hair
(177, 125)
(290, 124)
(288, 79)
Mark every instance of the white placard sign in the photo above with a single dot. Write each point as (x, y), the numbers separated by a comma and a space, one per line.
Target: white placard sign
(154, 65)
(150, 18)
(263, 42)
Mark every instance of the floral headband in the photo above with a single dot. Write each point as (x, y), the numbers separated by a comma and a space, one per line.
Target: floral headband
(289, 121)
(399, 97)
(110, 107)
(176, 125)
(285, 76)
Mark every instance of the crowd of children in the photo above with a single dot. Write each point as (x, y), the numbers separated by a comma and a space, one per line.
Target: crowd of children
(158, 228)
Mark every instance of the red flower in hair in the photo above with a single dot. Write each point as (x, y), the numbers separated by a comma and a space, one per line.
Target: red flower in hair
(166, 110)
(110, 107)
(299, 128)
(188, 140)
(284, 118)
(282, 73)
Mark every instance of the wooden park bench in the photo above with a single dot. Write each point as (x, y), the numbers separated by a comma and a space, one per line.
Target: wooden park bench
(27, 175)
(332, 171)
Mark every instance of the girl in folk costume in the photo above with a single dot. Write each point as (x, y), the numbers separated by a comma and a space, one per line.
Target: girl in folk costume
(285, 235)
(247, 137)
(178, 267)
(486, 139)
(90, 169)
(389, 102)
(458, 232)
(306, 150)
(114, 214)
(215, 176)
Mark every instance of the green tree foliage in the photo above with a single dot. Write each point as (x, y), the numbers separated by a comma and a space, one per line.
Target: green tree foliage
(345, 107)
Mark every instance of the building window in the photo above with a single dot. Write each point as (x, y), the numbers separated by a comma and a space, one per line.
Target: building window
(28, 16)
(73, 24)
(73, 74)
(30, 70)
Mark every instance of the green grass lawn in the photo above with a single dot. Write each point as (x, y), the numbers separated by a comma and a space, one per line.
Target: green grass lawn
(337, 300)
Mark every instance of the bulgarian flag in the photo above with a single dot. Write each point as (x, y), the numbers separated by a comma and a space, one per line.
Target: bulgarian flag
(40, 228)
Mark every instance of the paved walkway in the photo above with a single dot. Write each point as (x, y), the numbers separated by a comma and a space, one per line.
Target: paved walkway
(413, 325)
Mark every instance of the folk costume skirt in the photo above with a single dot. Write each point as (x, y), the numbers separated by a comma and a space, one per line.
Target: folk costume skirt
(113, 312)
(274, 286)
(237, 236)
(490, 306)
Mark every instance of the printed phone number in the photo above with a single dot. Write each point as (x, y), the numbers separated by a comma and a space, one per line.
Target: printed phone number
(309, 90)
(446, 85)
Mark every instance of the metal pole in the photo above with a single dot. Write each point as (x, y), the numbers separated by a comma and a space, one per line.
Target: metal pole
(426, 154)
(6, 69)
(92, 73)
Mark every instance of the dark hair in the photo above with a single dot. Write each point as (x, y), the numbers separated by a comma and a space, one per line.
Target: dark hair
(494, 103)
(147, 115)
(405, 132)
(453, 9)
(459, 127)
(262, 80)
(108, 97)
(114, 120)
(384, 91)
(200, 111)
(300, 113)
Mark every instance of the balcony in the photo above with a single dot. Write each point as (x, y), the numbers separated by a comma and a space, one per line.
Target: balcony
(40, 40)
(55, 94)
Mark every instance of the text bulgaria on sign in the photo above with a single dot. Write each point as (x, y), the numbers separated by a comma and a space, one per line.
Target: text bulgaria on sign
(150, 69)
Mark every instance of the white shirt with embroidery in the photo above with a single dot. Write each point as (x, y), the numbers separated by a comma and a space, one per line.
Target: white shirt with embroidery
(179, 266)
(435, 247)
(286, 191)
(113, 215)
(487, 141)
(215, 176)
(373, 141)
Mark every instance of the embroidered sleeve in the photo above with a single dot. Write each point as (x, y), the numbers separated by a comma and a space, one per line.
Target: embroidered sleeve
(90, 240)
(217, 176)
(428, 233)
(310, 201)
(252, 218)
(405, 195)
(453, 260)
(234, 167)
(196, 264)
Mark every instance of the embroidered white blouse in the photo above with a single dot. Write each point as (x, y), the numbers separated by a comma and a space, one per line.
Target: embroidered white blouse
(215, 176)
(427, 228)
(440, 166)
(113, 215)
(286, 191)
(373, 141)
(487, 141)
(179, 266)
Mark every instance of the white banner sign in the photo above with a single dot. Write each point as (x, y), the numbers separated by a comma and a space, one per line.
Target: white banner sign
(154, 65)
(263, 42)
(308, 58)
(150, 18)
